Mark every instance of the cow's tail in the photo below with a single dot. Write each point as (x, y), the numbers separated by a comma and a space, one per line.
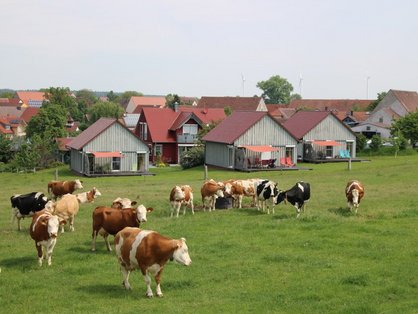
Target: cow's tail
(49, 188)
(13, 217)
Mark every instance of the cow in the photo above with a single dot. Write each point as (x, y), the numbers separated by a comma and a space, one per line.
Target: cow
(210, 191)
(88, 197)
(181, 196)
(121, 203)
(26, 205)
(266, 190)
(112, 220)
(237, 189)
(59, 188)
(354, 192)
(148, 251)
(44, 231)
(66, 209)
(298, 195)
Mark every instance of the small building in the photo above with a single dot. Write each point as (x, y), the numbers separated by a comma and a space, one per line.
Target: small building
(234, 103)
(136, 103)
(321, 136)
(108, 147)
(249, 139)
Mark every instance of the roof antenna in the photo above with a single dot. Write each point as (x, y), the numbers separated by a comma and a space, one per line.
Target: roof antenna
(243, 83)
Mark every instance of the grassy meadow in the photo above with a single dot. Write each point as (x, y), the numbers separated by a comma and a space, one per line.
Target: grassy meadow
(327, 261)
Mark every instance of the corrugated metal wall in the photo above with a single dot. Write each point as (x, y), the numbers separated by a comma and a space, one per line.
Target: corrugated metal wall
(217, 154)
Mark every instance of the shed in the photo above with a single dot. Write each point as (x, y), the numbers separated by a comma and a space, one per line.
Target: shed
(321, 135)
(108, 147)
(249, 139)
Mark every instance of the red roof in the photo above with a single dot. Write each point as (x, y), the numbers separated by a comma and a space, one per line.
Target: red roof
(161, 121)
(407, 99)
(303, 121)
(91, 132)
(28, 114)
(236, 103)
(25, 96)
(330, 104)
(63, 142)
(234, 126)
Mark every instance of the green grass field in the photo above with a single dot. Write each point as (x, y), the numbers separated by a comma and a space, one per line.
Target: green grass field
(327, 261)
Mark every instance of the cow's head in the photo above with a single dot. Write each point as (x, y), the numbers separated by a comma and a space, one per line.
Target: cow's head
(181, 254)
(50, 206)
(355, 194)
(141, 213)
(52, 223)
(78, 184)
(178, 193)
(281, 196)
(96, 192)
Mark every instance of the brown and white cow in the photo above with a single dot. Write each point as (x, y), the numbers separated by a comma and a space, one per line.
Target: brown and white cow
(210, 191)
(181, 196)
(107, 220)
(354, 191)
(148, 251)
(66, 209)
(88, 197)
(59, 188)
(239, 188)
(121, 203)
(44, 231)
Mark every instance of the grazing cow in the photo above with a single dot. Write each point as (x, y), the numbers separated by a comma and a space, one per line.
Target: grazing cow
(181, 195)
(67, 208)
(210, 191)
(237, 189)
(88, 197)
(266, 190)
(112, 220)
(26, 205)
(298, 195)
(148, 251)
(121, 203)
(354, 192)
(59, 188)
(44, 230)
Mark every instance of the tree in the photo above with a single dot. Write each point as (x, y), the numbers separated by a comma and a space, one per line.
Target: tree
(171, 100)
(106, 109)
(408, 127)
(49, 123)
(374, 103)
(376, 143)
(361, 141)
(86, 98)
(5, 149)
(111, 96)
(26, 157)
(62, 96)
(276, 90)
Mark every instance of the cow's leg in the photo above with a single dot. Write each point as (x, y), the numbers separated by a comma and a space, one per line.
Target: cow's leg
(178, 206)
(18, 223)
(240, 197)
(105, 236)
(297, 210)
(125, 274)
(72, 223)
(49, 249)
(192, 206)
(93, 242)
(40, 253)
(147, 279)
(158, 280)
(272, 206)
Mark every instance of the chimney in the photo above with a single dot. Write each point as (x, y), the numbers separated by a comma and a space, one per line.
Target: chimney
(176, 106)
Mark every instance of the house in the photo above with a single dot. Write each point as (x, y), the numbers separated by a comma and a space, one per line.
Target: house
(30, 98)
(169, 132)
(336, 105)
(108, 147)
(394, 105)
(64, 151)
(321, 135)
(131, 120)
(136, 103)
(9, 126)
(352, 118)
(246, 138)
(280, 112)
(235, 103)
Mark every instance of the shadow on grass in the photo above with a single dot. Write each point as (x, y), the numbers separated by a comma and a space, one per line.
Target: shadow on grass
(340, 211)
(86, 249)
(114, 291)
(25, 263)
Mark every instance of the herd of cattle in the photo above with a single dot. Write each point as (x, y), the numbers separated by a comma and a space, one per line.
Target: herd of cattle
(145, 249)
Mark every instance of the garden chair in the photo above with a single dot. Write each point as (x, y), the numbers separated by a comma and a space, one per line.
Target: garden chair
(289, 162)
(283, 162)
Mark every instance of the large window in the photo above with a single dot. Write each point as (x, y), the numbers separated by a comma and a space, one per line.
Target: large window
(190, 129)
(115, 163)
(328, 151)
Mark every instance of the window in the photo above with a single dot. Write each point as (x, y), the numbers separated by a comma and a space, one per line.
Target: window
(368, 128)
(381, 119)
(328, 151)
(143, 131)
(190, 129)
(115, 163)
(158, 150)
(289, 151)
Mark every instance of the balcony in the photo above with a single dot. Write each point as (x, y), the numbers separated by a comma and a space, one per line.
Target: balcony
(186, 138)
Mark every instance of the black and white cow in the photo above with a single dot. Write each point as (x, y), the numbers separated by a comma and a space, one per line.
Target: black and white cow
(26, 205)
(298, 195)
(266, 190)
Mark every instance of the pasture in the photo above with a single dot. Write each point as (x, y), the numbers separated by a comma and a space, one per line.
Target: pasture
(327, 261)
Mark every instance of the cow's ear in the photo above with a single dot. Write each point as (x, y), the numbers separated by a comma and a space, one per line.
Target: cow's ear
(150, 209)
(44, 222)
(133, 203)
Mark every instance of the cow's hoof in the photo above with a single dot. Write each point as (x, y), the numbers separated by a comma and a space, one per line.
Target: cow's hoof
(160, 295)
(149, 295)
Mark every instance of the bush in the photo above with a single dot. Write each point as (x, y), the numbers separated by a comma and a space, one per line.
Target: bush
(193, 157)
(376, 143)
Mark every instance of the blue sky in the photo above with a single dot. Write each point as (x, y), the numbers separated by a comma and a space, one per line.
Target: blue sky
(340, 49)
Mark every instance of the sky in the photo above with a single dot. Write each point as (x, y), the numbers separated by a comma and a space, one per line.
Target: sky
(327, 49)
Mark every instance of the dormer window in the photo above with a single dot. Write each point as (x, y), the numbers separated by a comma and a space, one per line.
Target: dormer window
(190, 129)
(381, 119)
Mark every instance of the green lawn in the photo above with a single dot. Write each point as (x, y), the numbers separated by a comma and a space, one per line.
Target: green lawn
(327, 261)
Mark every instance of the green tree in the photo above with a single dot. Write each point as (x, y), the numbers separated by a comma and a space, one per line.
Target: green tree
(5, 149)
(228, 110)
(111, 96)
(171, 100)
(49, 123)
(105, 109)
(62, 96)
(276, 90)
(374, 103)
(7, 94)
(26, 157)
(361, 141)
(408, 127)
(376, 143)
(85, 99)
